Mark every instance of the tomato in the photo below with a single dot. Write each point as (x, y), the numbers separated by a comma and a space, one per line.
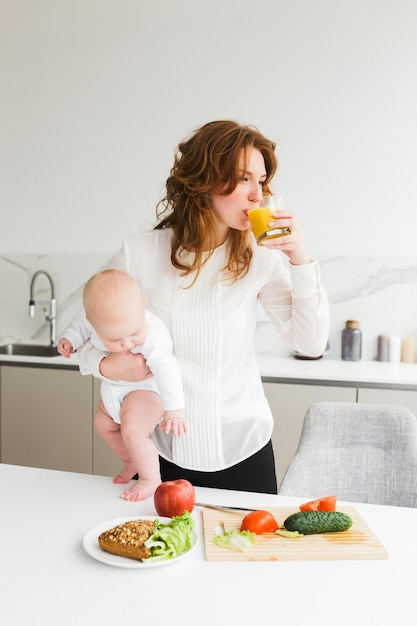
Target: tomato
(259, 522)
(322, 504)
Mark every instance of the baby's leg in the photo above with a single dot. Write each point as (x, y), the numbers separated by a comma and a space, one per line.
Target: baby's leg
(109, 431)
(140, 412)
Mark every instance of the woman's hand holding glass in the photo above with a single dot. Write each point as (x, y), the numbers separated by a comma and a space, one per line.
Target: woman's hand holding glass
(288, 237)
(260, 219)
(292, 245)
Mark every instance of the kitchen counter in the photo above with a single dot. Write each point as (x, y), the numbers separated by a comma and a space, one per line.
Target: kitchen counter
(287, 369)
(330, 372)
(49, 579)
(55, 362)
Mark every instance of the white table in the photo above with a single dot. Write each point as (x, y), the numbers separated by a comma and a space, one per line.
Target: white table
(47, 579)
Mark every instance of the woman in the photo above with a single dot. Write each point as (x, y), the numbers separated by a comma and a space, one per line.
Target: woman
(203, 274)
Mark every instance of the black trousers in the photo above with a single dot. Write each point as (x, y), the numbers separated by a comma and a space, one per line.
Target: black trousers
(257, 473)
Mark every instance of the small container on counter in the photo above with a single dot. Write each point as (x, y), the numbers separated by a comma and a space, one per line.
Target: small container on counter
(383, 348)
(303, 357)
(351, 341)
(408, 350)
(394, 349)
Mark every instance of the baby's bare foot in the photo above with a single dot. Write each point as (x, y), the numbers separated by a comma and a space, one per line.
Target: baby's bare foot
(141, 490)
(125, 475)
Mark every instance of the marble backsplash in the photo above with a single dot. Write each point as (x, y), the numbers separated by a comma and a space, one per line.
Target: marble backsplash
(68, 272)
(379, 292)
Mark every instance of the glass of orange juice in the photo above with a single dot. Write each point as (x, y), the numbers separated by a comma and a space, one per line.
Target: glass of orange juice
(259, 219)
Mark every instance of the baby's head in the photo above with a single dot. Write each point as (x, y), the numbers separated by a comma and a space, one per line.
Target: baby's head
(115, 307)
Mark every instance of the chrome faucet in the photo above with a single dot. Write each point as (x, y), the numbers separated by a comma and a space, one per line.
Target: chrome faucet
(51, 315)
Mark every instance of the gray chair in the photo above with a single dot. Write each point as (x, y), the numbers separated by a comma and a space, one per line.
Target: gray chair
(357, 452)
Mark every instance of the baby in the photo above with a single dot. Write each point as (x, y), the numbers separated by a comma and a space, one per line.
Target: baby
(115, 319)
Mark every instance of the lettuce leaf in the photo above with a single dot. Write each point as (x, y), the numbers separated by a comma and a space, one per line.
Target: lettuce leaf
(171, 539)
(239, 540)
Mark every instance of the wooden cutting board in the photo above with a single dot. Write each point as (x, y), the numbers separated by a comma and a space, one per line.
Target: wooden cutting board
(359, 542)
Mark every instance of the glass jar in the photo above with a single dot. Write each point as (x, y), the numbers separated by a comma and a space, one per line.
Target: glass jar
(351, 341)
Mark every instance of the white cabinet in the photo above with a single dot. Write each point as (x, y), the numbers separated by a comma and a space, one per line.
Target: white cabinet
(46, 418)
(289, 403)
(400, 397)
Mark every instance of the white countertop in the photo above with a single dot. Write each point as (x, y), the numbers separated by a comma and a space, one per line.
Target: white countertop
(48, 579)
(328, 370)
(54, 361)
(289, 369)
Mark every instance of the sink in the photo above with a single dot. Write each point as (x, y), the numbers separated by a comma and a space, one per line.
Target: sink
(28, 349)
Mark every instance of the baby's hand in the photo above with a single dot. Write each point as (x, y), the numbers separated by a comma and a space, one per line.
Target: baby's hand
(65, 348)
(173, 421)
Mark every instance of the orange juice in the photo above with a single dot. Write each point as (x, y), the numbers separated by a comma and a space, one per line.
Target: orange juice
(259, 221)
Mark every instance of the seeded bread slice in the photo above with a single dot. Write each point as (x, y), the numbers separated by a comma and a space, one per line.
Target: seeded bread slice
(128, 539)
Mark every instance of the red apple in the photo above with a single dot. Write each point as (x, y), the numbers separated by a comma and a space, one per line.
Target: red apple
(173, 497)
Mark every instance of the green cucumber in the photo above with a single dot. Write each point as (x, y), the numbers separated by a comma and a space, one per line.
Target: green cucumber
(315, 522)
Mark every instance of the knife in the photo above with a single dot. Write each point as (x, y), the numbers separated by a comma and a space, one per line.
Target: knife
(217, 507)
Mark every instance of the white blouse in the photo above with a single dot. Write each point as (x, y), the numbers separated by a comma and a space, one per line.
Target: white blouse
(212, 324)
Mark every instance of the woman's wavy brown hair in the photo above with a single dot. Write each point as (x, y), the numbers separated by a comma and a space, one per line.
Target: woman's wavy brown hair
(209, 162)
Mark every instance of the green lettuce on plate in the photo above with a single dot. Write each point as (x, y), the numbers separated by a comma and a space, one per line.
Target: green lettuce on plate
(171, 539)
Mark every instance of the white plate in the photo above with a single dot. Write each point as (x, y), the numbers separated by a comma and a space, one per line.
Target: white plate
(91, 545)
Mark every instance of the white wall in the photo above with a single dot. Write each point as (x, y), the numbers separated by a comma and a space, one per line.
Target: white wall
(97, 93)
